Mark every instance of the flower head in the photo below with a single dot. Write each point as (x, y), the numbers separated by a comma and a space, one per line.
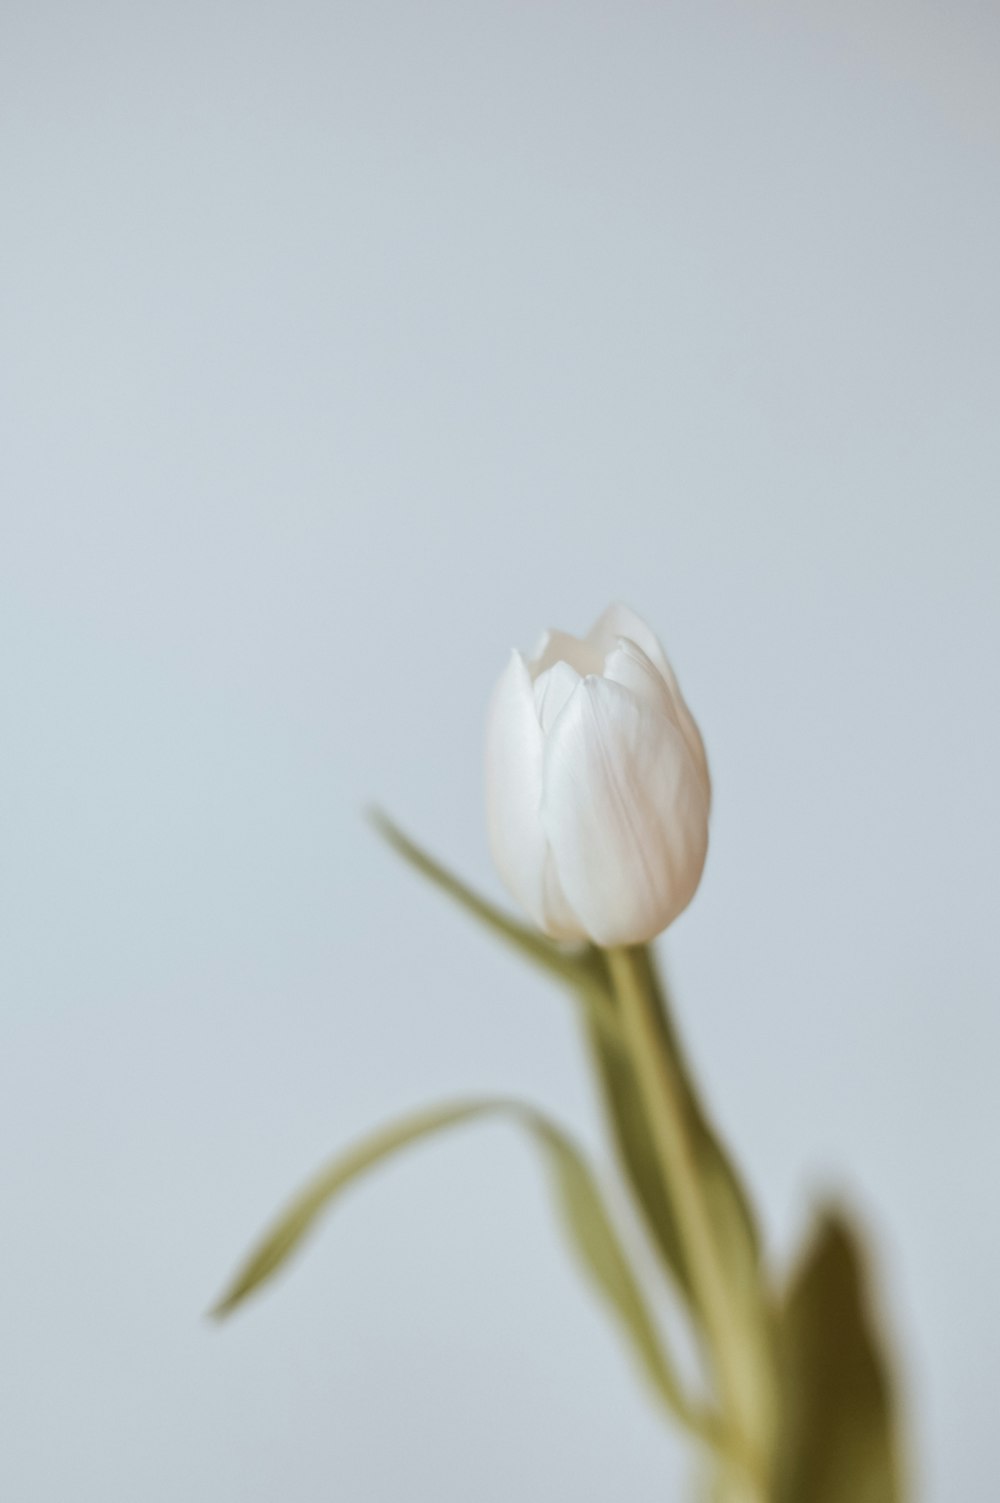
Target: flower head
(597, 786)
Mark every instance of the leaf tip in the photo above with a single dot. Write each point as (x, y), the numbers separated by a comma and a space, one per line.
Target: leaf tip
(223, 1306)
(379, 820)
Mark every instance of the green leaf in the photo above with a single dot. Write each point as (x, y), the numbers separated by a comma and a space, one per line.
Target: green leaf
(579, 967)
(636, 1151)
(736, 1232)
(838, 1440)
(584, 969)
(734, 1229)
(591, 1232)
(731, 1208)
(731, 1201)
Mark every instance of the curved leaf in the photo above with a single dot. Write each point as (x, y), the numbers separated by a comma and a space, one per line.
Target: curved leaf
(578, 967)
(732, 1226)
(636, 1150)
(731, 1209)
(588, 1225)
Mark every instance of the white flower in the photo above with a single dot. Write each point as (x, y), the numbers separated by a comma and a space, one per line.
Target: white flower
(597, 787)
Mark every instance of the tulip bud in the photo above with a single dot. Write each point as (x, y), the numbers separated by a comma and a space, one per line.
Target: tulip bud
(597, 787)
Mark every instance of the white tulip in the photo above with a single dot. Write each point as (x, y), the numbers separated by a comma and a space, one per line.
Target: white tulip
(597, 786)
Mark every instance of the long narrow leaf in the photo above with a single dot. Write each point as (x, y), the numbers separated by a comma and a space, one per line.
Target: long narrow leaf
(580, 968)
(623, 1100)
(718, 1166)
(588, 1225)
(636, 1150)
(734, 1230)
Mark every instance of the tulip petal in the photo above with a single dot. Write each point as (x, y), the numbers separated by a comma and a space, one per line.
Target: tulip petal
(625, 813)
(629, 666)
(605, 637)
(618, 621)
(553, 688)
(559, 920)
(514, 748)
(561, 647)
(514, 757)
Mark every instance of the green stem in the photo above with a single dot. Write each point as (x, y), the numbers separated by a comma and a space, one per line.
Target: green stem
(662, 1091)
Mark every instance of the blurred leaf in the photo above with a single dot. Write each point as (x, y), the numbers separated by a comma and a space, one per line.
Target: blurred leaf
(579, 967)
(838, 1442)
(730, 1211)
(589, 1227)
(634, 1143)
(585, 970)
(738, 1224)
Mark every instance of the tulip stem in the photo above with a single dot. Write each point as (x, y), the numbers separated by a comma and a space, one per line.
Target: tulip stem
(662, 1090)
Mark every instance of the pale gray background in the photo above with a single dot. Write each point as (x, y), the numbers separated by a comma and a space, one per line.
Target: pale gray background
(344, 346)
